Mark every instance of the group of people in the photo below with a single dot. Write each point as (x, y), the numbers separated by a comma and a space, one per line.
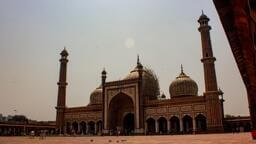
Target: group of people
(42, 134)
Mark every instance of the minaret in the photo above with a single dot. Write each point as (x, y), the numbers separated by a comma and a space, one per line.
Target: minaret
(104, 107)
(213, 105)
(139, 129)
(61, 101)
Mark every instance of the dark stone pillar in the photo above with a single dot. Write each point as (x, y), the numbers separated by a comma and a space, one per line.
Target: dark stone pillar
(103, 81)
(61, 101)
(238, 18)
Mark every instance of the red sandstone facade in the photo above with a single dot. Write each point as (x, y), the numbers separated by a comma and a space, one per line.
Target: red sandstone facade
(238, 18)
(133, 105)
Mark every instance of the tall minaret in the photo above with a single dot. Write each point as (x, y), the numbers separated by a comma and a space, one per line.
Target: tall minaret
(140, 127)
(104, 105)
(61, 101)
(213, 105)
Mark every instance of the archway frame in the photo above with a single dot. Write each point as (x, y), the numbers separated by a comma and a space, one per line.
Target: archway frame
(118, 118)
(129, 88)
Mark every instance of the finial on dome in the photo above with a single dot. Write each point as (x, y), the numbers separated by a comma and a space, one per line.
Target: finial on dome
(182, 74)
(138, 59)
(202, 12)
(139, 65)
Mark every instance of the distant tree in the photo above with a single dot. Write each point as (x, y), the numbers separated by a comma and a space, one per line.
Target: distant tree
(229, 116)
(19, 118)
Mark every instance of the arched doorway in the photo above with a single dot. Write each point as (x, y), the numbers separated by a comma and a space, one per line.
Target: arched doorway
(234, 128)
(247, 127)
(91, 129)
(99, 127)
(151, 128)
(187, 124)
(83, 128)
(74, 127)
(120, 105)
(128, 124)
(227, 127)
(162, 125)
(201, 123)
(68, 128)
(175, 124)
(241, 127)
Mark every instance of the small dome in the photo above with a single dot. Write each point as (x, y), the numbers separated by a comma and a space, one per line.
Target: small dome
(183, 86)
(96, 96)
(104, 72)
(150, 85)
(203, 17)
(163, 96)
(64, 52)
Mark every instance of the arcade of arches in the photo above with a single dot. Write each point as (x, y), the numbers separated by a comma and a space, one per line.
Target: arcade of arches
(175, 125)
(84, 128)
(160, 125)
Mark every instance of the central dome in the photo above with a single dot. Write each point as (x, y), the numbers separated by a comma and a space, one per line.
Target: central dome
(183, 86)
(150, 85)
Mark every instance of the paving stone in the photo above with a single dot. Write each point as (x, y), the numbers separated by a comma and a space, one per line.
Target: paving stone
(238, 138)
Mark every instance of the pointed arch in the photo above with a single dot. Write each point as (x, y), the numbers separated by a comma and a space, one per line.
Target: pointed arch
(174, 124)
(118, 107)
(99, 127)
(91, 127)
(187, 124)
(151, 127)
(74, 127)
(83, 128)
(162, 122)
(68, 128)
(201, 124)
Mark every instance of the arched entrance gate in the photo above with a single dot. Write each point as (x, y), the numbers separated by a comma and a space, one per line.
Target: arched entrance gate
(121, 115)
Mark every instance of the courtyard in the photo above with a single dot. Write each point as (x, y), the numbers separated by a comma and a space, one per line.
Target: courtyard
(237, 138)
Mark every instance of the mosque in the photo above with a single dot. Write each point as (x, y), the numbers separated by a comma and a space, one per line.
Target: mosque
(134, 105)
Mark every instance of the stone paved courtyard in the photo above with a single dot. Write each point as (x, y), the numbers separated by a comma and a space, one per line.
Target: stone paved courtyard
(241, 138)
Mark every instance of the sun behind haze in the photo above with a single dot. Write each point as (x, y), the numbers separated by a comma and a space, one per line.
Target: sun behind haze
(110, 34)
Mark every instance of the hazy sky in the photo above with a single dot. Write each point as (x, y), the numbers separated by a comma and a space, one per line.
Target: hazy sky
(110, 34)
